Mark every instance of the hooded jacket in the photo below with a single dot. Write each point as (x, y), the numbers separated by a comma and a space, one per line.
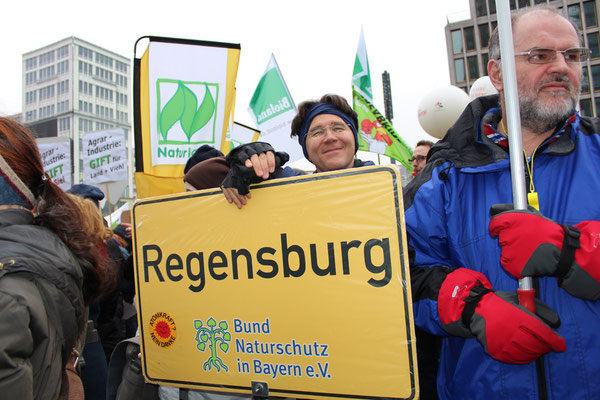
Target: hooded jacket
(447, 216)
(41, 308)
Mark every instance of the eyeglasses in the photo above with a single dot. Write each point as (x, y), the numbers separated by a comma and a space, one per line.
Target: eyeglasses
(336, 128)
(539, 55)
(418, 158)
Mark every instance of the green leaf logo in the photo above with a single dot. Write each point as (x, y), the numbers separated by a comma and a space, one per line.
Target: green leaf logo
(183, 107)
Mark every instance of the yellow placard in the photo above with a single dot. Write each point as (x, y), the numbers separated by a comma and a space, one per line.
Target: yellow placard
(305, 289)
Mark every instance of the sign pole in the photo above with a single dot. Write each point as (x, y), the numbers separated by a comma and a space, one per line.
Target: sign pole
(387, 100)
(511, 98)
(108, 201)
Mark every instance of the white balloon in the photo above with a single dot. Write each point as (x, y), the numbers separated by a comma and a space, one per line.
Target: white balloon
(482, 87)
(440, 108)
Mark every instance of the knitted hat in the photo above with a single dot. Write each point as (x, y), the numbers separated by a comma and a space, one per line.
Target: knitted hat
(207, 174)
(203, 152)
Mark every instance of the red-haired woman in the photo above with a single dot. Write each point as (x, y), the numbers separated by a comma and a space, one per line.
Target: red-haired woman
(51, 267)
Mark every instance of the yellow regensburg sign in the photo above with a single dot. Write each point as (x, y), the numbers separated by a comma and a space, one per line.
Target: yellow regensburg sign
(306, 288)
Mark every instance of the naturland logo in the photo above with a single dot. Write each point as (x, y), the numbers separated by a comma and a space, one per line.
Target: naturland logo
(186, 112)
(211, 336)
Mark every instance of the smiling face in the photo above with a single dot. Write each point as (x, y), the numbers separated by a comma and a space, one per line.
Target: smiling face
(331, 150)
(548, 93)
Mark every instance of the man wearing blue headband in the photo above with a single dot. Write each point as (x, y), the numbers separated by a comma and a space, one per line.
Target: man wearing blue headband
(326, 130)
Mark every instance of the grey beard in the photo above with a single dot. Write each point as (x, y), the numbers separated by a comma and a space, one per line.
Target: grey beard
(540, 119)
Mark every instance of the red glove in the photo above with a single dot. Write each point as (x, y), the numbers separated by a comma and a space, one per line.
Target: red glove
(469, 307)
(533, 245)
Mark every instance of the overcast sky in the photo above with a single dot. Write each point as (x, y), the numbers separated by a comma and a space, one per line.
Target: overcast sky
(314, 42)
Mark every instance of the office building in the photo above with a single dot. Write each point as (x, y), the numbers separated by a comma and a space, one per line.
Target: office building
(467, 44)
(72, 87)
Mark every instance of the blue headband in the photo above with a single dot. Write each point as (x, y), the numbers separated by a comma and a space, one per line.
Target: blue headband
(324, 108)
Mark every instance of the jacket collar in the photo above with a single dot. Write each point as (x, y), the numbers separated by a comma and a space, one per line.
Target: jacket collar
(468, 147)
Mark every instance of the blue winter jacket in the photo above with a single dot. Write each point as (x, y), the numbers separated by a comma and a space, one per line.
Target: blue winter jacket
(447, 216)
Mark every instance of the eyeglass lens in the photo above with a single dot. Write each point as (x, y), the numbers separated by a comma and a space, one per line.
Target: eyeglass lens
(544, 56)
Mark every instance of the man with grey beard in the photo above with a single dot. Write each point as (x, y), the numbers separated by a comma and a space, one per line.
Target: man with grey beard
(468, 247)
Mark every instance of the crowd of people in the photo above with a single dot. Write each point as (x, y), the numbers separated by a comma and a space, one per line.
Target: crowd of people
(65, 276)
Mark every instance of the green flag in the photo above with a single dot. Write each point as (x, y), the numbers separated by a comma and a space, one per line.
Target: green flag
(361, 76)
(376, 134)
(273, 110)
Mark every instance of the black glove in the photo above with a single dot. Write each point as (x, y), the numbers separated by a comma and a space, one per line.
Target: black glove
(240, 154)
(240, 177)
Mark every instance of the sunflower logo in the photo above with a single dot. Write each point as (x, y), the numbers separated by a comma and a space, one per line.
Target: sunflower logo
(163, 330)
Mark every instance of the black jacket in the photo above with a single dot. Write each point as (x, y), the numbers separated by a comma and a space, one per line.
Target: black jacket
(41, 307)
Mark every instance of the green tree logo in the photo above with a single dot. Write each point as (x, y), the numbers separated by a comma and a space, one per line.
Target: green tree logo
(212, 335)
(183, 107)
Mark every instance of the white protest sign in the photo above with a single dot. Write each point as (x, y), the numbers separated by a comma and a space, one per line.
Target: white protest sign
(104, 156)
(56, 158)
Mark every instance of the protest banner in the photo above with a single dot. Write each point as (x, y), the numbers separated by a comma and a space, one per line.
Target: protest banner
(56, 158)
(183, 96)
(104, 156)
(316, 303)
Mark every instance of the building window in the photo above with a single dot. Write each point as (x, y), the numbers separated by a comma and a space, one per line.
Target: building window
(585, 107)
(524, 3)
(30, 77)
(596, 76)
(47, 73)
(64, 124)
(513, 5)
(62, 52)
(480, 8)
(492, 6)
(86, 53)
(589, 12)
(597, 103)
(459, 66)
(120, 66)
(30, 63)
(593, 44)
(484, 35)
(539, 1)
(457, 42)
(470, 38)
(46, 58)
(585, 81)
(486, 59)
(575, 15)
(473, 68)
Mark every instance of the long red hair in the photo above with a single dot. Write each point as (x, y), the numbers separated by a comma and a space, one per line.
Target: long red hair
(55, 210)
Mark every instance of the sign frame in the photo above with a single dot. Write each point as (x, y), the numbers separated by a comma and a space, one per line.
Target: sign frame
(403, 271)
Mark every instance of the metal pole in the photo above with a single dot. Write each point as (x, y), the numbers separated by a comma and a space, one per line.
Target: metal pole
(387, 100)
(515, 142)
